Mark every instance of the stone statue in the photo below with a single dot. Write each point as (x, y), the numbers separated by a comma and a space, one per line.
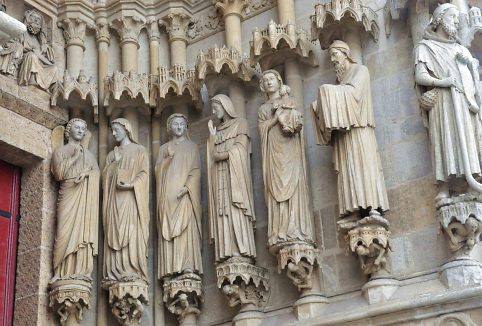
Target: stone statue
(31, 54)
(125, 182)
(231, 207)
(77, 206)
(77, 219)
(343, 118)
(448, 84)
(178, 180)
(284, 165)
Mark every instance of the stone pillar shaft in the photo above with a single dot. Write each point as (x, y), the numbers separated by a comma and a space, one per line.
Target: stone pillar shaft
(293, 80)
(103, 66)
(286, 11)
(352, 38)
(129, 56)
(419, 18)
(233, 31)
(132, 115)
(178, 52)
(74, 35)
(462, 5)
(75, 54)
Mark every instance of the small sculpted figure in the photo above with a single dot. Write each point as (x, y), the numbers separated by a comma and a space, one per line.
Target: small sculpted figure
(231, 207)
(448, 85)
(178, 180)
(76, 169)
(284, 165)
(31, 55)
(125, 182)
(343, 117)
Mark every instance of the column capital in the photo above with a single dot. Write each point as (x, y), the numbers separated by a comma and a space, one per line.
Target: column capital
(129, 28)
(153, 29)
(177, 23)
(231, 7)
(102, 33)
(74, 31)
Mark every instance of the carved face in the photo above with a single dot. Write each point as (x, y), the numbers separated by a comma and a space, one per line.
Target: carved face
(218, 110)
(450, 21)
(271, 84)
(34, 23)
(119, 132)
(337, 57)
(178, 126)
(78, 130)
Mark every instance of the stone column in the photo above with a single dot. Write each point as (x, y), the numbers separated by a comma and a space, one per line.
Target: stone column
(286, 12)
(154, 38)
(102, 38)
(232, 14)
(176, 23)
(131, 114)
(419, 18)
(352, 38)
(74, 35)
(129, 29)
(462, 5)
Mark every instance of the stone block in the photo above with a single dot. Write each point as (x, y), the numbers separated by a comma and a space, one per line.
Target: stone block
(309, 306)
(461, 273)
(379, 290)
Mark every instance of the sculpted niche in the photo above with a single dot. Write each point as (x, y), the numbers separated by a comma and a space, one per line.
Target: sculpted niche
(125, 182)
(76, 169)
(31, 57)
(178, 181)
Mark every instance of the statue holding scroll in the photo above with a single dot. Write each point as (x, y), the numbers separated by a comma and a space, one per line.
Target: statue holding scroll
(125, 182)
(77, 206)
(284, 164)
(231, 206)
(178, 180)
(343, 117)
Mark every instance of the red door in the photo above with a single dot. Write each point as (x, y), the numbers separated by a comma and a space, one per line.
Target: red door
(9, 216)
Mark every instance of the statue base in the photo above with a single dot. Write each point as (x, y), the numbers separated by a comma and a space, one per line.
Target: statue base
(298, 258)
(69, 298)
(369, 240)
(243, 283)
(248, 318)
(461, 272)
(309, 305)
(380, 290)
(183, 297)
(127, 300)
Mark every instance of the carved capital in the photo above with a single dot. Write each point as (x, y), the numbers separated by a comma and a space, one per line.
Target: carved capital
(127, 300)
(74, 31)
(243, 283)
(183, 296)
(153, 30)
(102, 33)
(177, 24)
(231, 7)
(461, 219)
(128, 28)
(68, 298)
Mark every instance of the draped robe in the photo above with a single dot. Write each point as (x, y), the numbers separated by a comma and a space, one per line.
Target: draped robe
(285, 181)
(126, 214)
(438, 56)
(178, 219)
(77, 212)
(344, 118)
(231, 208)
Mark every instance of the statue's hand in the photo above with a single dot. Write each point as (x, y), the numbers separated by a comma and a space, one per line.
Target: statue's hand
(212, 129)
(450, 81)
(124, 186)
(463, 57)
(182, 192)
(81, 177)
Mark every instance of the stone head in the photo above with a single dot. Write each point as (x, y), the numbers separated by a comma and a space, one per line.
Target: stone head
(222, 106)
(446, 17)
(122, 128)
(75, 129)
(177, 125)
(33, 21)
(271, 81)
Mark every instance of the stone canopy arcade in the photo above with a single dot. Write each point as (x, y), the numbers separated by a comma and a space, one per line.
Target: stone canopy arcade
(171, 173)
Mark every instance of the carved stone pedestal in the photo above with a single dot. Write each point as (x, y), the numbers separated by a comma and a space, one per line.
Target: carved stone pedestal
(308, 305)
(183, 297)
(461, 219)
(298, 258)
(246, 284)
(127, 300)
(69, 298)
(369, 240)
